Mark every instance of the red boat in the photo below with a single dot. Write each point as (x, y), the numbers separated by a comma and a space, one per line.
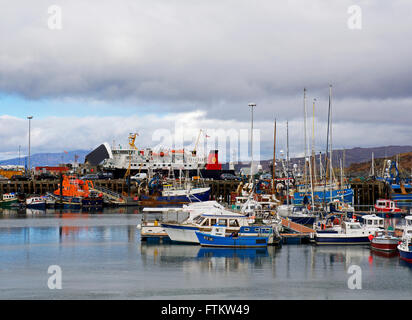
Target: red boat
(384, 241)
(385, 205)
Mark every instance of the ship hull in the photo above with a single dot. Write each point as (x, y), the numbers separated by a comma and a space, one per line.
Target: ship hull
(344, 195)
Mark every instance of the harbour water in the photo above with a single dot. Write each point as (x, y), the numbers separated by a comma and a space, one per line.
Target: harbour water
(101, 257)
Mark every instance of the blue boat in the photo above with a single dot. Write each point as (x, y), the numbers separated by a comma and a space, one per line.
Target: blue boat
(405, 250)
(175, 197)
(247, 237)
(345, 195)
(400, 190)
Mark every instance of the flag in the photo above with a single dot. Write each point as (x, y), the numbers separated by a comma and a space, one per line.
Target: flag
(65, 152)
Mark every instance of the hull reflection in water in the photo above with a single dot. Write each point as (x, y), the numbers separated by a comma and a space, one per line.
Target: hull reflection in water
(247, 253)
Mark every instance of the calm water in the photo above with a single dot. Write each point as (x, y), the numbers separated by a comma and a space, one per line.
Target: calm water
(101, 257)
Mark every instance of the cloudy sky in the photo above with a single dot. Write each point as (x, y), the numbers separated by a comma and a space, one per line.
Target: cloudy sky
(140, 66)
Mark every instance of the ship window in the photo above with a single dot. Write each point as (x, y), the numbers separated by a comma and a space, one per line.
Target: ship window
(222, 222)
(212, 222)
(205, 222)
(233, 223)
(355, 226)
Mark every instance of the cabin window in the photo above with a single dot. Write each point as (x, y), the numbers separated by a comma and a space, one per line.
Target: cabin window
(222, 222)
(212, 222)
(355, 226)
(233, 223)
(369, 221)
(205, 222)
(376, 222)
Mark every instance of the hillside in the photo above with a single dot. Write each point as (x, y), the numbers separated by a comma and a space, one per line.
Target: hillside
(352, 156)
(364, 168)
(48, 159)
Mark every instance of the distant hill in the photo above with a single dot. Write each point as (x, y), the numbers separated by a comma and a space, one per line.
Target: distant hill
(364, 168)
(354, 155)
(48, 159)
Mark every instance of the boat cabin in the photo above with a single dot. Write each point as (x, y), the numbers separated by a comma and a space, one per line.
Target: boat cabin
(9, 196)
(373, 221)
(385, 205)
(220, 221)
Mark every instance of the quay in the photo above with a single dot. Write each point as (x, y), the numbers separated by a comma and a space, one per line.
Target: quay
(297, 233)
(365, 193)
(220, 189)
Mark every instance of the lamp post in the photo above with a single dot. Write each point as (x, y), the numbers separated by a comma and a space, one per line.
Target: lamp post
(251, 105)
(29, 117)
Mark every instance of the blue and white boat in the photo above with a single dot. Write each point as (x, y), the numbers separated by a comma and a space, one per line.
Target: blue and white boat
(350, 232)
(323, 196)
(297, 214)
(36, 203)
(175, 196)
(247, 237)
(405, 247)
(204, 222)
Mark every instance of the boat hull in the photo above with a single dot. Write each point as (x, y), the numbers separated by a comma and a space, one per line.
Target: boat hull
(405, 255)
(208, 240)
(154, 200)
(7, 203)
(344, 195)
(335, 238)
(386, 245)
(38, 206)
(180, 233)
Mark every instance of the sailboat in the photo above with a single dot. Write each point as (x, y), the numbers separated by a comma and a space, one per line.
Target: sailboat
(330, 191)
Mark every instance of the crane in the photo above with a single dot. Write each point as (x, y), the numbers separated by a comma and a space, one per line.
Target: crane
(197, 142)
(132, 138)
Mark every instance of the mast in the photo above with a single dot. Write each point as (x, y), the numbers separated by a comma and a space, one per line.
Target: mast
(274, 160)
(306, 147)
(287, 163)
(313, 144)
(251, 105)
(326, 155)
(330, 132)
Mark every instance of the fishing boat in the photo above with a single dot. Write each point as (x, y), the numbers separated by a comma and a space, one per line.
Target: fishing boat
(384, 241)
(186, 231)
(350, 232)
(387, 208)
(8, 200)
(246, 237)
(175, 196)
(36, 202)
(400, 191)
(405, 246)
(297, 214)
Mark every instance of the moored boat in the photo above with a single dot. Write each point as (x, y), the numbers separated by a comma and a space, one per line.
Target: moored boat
(7, 200)
(384, 241)
(36, 202)
(350, 232)
(247, 237)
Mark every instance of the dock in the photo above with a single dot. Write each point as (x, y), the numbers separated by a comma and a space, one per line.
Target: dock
(298, 233)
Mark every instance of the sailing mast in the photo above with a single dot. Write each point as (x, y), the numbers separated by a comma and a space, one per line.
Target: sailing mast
(331, 159)
(313, 143)
(326, 154)
(287, 164)
(274, 161)
(306, 147)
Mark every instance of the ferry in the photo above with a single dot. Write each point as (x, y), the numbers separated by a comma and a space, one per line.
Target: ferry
(121, 159)
(246, 237)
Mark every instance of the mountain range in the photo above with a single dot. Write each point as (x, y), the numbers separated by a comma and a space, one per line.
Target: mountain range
(352, 156)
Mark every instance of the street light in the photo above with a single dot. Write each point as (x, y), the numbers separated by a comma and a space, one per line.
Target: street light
(29, 117)
(251, 105)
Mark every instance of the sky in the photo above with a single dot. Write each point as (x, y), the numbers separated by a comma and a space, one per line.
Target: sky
(95, 71)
